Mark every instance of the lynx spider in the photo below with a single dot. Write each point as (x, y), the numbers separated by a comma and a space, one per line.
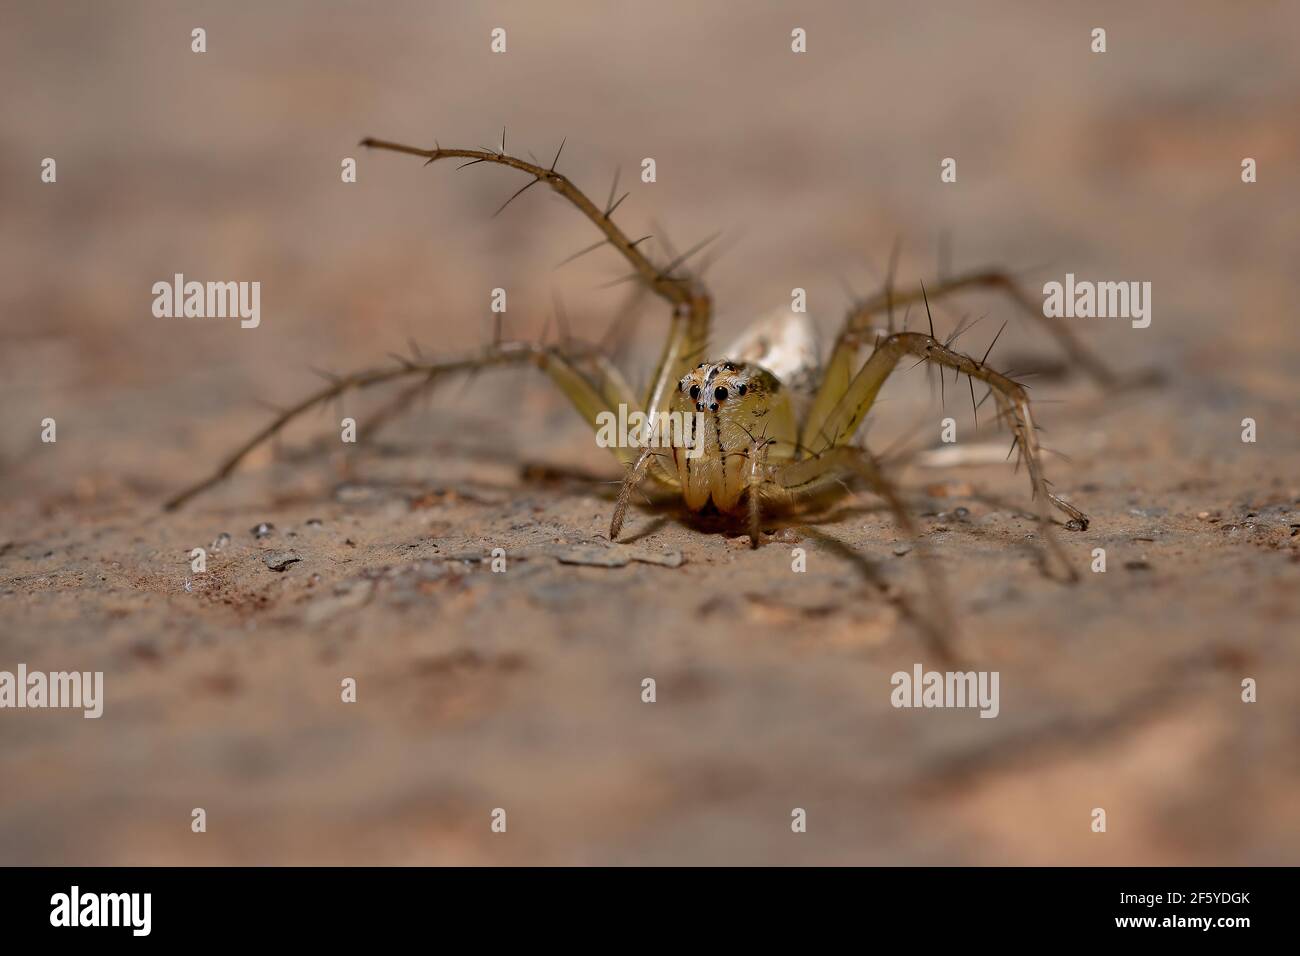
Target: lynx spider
(778, 426)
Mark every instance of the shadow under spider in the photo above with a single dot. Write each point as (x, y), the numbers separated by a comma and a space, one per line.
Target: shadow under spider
(871, 573)
(666, 506)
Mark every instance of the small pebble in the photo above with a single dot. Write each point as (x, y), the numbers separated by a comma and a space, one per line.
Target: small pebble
(280, 560)
(220, 541)
(619, 555)
(263, 530)
(1148, 512)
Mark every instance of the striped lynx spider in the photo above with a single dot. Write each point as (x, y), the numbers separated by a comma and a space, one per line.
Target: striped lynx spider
(776, 423)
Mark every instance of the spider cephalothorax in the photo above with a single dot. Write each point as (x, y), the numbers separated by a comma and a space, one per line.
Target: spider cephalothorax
(740, 407)
(711, 384)
(776, 421)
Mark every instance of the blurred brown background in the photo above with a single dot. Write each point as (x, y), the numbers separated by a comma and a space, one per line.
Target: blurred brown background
(522, 690)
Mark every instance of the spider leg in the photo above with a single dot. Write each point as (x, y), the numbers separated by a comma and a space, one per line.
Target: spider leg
(858, 331)
(754, 482)
(687, 340)
(1002, 281)
(635, 473)
(691, 303)
(682, 352)
(847, 413)
(591, 393)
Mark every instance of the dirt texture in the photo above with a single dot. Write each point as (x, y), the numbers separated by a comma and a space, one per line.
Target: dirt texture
(522, 689)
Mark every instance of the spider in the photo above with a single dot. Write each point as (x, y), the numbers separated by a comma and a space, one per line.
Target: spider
(777, 425)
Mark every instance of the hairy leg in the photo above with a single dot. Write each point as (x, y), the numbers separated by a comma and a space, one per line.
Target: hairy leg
(690, 301)
(858, 331)
(757, 474)
(692, 306)
(635, 473)
(1013, 403)
(1002, 281)
(591, 393)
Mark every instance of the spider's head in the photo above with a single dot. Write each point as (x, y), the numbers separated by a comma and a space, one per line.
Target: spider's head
(724, 386)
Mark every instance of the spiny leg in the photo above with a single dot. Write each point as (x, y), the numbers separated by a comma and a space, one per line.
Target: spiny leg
(857, 330)
(691, 303)
(1002, 281)
(682, 352)
(635, 472)
(596, 363)
(589, 396)
(1013, 403)
(587, 377)
(758, 471)
(692, 306)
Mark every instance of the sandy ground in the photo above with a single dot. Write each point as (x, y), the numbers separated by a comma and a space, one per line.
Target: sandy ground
(522, 690)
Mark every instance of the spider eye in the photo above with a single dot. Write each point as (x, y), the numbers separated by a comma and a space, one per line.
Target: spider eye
(742, 390)
(695, 391)
(719, 393)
